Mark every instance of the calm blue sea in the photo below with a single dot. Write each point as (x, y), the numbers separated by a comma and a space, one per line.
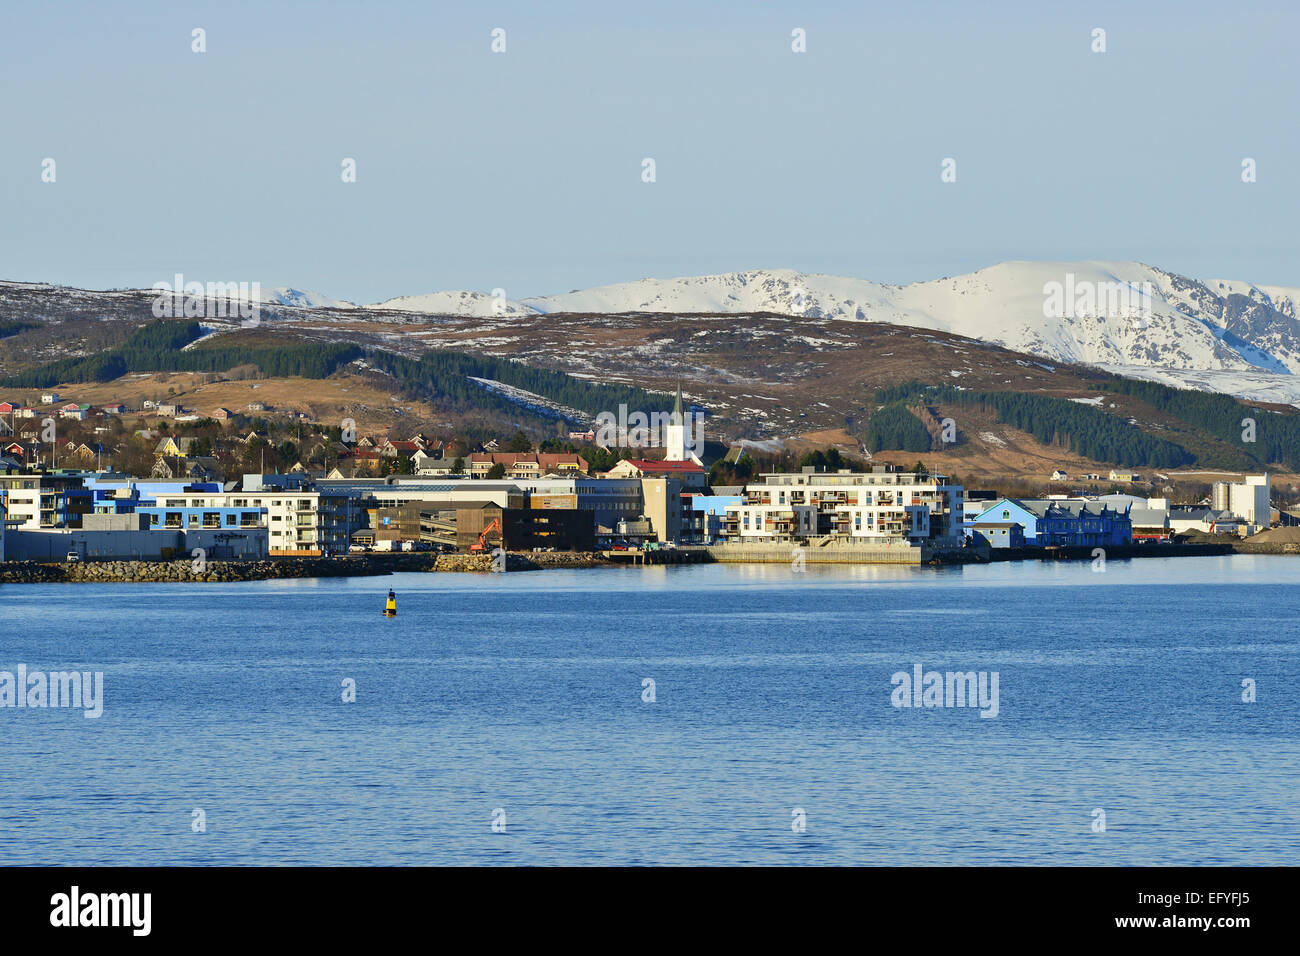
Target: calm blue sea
(519, 698)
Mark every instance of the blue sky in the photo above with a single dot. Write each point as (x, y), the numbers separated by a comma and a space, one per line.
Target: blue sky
(522, 170)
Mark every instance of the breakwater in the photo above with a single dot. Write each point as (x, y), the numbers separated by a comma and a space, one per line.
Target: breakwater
(1266, 547)
(32, 572)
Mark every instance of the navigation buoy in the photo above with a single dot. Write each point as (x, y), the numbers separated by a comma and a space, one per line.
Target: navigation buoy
(390, 609)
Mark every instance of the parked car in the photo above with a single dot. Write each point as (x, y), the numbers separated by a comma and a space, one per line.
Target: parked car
(619, 547)
(73, 557)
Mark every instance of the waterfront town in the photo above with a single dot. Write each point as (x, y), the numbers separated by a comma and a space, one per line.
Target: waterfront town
(360, 495)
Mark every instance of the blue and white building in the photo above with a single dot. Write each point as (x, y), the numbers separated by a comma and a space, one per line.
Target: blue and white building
(1059, 521)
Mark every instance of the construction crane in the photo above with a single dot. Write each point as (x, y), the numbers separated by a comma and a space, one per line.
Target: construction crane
(481, 544)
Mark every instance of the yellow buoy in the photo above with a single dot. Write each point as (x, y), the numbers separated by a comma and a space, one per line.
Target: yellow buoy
(390, 609)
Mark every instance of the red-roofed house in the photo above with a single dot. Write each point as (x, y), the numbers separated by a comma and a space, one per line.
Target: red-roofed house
(24, 451)
(689, 473)
(398, 449)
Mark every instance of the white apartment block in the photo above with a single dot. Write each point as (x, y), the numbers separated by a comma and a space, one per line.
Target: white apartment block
(310, 521)
(297, 522)
(22, 505)
(882, 503)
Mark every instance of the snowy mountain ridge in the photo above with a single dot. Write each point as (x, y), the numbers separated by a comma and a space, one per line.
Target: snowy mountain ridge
(1127, 317)
(1097, 313)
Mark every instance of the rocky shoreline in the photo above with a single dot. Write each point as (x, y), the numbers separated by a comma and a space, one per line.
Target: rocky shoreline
(31, 572)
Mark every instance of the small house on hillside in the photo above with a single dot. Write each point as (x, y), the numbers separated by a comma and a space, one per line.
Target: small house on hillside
(173, 447)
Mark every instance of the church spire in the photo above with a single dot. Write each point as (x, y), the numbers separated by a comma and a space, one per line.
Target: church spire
(677, 406)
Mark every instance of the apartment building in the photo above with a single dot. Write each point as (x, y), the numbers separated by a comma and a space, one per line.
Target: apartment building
(885, 503)
(311, 522)
(123, 494)
(704, 517)
(298, 522)
(36, 501)
(202, 518)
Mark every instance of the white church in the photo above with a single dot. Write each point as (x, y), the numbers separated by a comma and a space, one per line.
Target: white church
(679, 443)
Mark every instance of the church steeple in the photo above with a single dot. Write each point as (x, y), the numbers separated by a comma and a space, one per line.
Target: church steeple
(675, 443)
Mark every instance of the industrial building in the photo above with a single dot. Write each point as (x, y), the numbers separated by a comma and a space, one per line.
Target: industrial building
(525, 529)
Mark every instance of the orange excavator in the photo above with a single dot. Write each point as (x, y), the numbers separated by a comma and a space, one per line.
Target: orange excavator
(481, 544)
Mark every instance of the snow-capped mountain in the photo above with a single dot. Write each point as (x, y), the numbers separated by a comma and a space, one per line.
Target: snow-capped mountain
(1109, 314)
(1098, 313)
(456, 303)
(301, 299)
